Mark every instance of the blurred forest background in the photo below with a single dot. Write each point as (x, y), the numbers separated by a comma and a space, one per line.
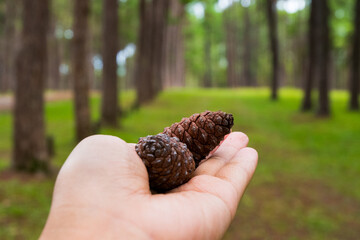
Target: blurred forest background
(287, 69)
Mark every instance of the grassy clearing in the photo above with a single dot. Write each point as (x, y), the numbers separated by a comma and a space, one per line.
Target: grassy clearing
(305, 187)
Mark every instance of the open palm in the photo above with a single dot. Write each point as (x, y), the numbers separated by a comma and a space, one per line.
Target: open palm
(102, 192)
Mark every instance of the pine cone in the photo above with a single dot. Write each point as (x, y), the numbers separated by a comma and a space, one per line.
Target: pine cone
(168, 161)
(202, 132)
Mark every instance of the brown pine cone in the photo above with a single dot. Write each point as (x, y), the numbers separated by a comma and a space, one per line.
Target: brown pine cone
(168, 161)
(202, 132)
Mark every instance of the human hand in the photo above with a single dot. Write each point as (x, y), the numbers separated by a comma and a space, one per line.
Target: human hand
(102, 192)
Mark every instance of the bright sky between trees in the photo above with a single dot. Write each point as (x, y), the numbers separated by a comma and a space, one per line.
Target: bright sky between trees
(290, 6)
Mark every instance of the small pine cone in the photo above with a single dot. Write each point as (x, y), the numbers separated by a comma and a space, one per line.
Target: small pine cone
(168, 161)
(202, 132)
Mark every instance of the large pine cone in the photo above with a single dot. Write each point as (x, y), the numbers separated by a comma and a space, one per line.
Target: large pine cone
(202, 132)
(169, 162)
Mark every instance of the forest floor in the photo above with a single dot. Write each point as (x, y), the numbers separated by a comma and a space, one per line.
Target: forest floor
(306, 185)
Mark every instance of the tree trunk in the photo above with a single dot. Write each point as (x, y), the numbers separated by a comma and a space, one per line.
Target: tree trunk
(207, 79)
(30, 151)
(110, 47)
(312, 69)
(150, 61)
(144, 87)
(94, 82)
(174, 47)
(298, 44)
(231, 49)
(7, 81)
(324, 58)
(247, 53)
(355, 61)
(272, 21)
(66, 60)
(179, 65)
(129, 82)
(160, 10)
(80, 68)
(53, 73)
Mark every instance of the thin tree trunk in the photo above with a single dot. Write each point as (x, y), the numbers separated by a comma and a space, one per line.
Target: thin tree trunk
(255, 51)
(53, 73)
(272, 20)
(143, 82)
(355, 64)
(207, 80)
(160, 8)
(170, 43)
(179, 80)
(7, 81)
(324, 58)
(178, 71)
(110, 106)
(150, 61)
(312, 68)
(80, 67)
(129, 78)
(173, 50)
(297, 44)
(30, 151)
(231, 50)
(94, 81)
(247, 53)
(65, 56)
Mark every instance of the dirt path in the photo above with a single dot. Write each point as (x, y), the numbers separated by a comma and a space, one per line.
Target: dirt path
(7, 101)
(293, 208)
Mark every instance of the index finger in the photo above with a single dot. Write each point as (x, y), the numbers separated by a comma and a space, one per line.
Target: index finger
(239, 170)
(226, 151)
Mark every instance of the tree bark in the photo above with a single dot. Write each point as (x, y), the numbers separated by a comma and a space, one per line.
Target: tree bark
(30, 151)
(160, 10)
(231, 50)
(150, 61)
(298, 44)
(80, 68)
(355, 61)
(207, 79)
(324, 58)
(314, 54)
(7, 81)
(143, 81)
(272, 21)
(174, 46)
(247, 53)
(312, 62)
(53, 73)
(110, 106)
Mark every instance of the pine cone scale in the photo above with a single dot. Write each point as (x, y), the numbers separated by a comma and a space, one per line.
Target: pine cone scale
(193, 130)
(202, 132)
(209, 127)
(203, 136)
(180, 130)
(194, 117)
(200, 122)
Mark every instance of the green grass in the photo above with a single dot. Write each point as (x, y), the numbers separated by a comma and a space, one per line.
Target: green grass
(306, 185)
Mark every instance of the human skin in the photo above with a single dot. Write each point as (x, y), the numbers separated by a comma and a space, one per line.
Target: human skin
(102, 192)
